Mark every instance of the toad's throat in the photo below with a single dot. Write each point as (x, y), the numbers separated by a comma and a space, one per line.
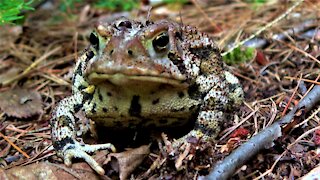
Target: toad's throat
(123, 79)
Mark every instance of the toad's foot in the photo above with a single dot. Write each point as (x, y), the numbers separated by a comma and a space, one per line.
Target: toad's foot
(181, 147)
(192, 137)
(78, 150)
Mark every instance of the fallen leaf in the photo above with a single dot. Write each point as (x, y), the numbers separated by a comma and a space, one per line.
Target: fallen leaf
(128, 161)
(178, 163)
(261, 58)
(230, 145)
(45, 170)
(240, 132)
(21, 103)
(8, 73)
(316, 138)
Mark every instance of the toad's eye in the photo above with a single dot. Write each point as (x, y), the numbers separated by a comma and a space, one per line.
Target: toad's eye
(94, 40)
(161, 42)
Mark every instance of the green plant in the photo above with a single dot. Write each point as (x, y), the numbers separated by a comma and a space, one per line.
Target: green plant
(10, 10)
(239, 55)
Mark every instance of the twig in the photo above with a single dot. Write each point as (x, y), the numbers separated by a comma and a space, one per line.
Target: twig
(13, 145)
(301, 51)
(33, 65)
(291, 98)
(302, 79)
(263, 140)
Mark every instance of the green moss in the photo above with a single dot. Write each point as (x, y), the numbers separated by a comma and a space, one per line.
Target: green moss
(239, 55)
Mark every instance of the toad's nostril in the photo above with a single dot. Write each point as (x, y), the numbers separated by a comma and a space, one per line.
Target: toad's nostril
(126, 24)
(130, 52)
(111, 52)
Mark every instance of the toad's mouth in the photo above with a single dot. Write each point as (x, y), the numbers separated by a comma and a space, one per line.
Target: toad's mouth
(123, 79)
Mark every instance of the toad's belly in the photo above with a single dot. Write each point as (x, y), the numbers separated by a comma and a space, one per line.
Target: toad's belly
(141, 106)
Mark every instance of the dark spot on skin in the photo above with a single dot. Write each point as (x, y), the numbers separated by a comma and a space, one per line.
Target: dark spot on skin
(180, 94)
(79, 70)
(77, 107)
(177, 61)
(59, 145)
(115, 108)
(204, 52)
(135, 107)
(87, 97)
(205, 129)
(177, 110)
(148, 23)
(194, 92)
(104, 109)
(163, 121)
(141, 25)
(111, 52)
(90, 55)
(100, 97)
(109, 94)
(178, 35)
(192, 107)
(156, 101)
(233, 87)
(76, 119)
(130, 52)
(81, 87)
(93, 110)
(126, 24)
(65, 120)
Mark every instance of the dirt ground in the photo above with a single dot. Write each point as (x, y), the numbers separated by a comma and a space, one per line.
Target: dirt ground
(36, 65)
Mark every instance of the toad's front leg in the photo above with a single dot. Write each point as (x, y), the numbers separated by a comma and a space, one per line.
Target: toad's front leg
(64, 132)
(223, 94)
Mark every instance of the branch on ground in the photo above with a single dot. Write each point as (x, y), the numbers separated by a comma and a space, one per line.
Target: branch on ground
(226, 168)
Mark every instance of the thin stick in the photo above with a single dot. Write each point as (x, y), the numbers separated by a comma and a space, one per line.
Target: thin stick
(13, 145)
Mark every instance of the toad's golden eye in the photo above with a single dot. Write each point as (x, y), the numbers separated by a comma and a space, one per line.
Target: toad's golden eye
(161, 42)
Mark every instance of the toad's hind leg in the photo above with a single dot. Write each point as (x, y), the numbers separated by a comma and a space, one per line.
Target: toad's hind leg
(64, 132)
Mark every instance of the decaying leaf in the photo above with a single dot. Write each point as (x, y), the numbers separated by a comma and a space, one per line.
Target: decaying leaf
(21, 103)
(8, 73)
(128, 160)
(44, 170)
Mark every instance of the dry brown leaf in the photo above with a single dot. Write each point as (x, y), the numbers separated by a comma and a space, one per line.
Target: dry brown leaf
(128, 160)
(178, 163)
(8, 73)
(21, 103)
(45, 170)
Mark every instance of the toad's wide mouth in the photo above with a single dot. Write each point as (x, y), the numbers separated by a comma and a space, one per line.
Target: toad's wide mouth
(123, 79)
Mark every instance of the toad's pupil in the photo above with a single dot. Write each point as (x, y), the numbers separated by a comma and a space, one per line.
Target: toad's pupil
(161, 41)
